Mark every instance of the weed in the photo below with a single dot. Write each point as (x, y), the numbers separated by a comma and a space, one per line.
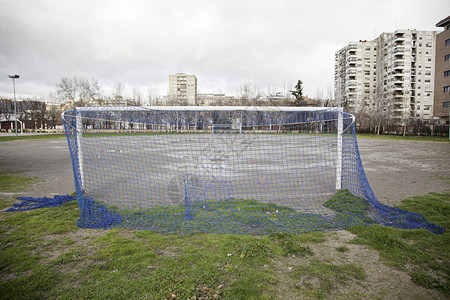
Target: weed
(342, 249)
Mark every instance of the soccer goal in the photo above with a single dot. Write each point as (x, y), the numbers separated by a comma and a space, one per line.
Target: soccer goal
(254, 170)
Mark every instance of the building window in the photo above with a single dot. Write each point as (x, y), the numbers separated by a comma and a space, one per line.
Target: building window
(447, 73)
(447, 89)
(447, 57)
(447, 42)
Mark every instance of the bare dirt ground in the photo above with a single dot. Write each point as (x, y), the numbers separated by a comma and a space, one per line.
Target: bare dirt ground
(395, 170)
(400, 169)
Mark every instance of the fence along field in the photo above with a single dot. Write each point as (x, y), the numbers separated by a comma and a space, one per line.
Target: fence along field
(240, 170)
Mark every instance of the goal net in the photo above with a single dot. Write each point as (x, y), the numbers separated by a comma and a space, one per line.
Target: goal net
(245, 170)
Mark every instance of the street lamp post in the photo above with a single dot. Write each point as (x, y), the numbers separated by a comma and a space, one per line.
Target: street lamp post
(14, 77)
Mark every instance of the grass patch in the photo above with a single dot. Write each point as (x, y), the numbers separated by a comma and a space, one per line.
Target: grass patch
(352, 210)
(290, 245)
(44, 255)
(344, 201)
(405, 138)
(319, 278)
(342, 249)
(31, 137)
(421, 253)
(14, 181)
(142, 264)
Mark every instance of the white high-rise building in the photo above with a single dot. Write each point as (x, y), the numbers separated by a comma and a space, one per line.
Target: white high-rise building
(397, 68)
(355, 74)
(182, 89)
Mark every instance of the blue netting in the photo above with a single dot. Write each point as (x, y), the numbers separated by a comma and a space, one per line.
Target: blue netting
(34, 203)
(223, 170)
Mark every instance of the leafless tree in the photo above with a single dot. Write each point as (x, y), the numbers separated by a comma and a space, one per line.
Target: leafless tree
(80, 91)
(137, 96)
(153, 95)
(363, 118)
(382, 112)
(54, 115)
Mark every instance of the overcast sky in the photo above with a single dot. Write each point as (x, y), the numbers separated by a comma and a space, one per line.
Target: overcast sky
(224, 43)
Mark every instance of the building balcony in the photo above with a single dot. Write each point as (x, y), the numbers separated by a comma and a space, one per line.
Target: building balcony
(399, 50)
(399, 65)
(399, 36)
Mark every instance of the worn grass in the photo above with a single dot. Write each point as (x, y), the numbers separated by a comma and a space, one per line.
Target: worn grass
(319, 278)
(31, 137)
(422, 254)
(44, 255)
(14, 181)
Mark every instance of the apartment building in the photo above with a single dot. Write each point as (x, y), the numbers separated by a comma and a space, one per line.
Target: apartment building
(396, 69)
(182, 89)
(442, 73)
(355, 74)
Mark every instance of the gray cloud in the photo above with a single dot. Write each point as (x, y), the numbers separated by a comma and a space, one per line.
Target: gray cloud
(224, 43)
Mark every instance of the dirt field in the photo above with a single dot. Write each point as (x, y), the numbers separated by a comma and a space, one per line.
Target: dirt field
(395, 170)
(400, 169)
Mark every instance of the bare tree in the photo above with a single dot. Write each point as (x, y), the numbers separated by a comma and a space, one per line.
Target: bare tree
(382, 112)
(80, 91)
(405, 117)
(137, 96)
(153, 95)
(118, 91)
(249, 95)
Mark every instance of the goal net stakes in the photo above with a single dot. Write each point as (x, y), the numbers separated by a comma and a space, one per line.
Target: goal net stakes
(242, 170)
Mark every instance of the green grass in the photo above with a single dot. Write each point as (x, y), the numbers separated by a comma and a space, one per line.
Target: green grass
(352, 210)
(405, 138)
(320, 278)
(14, 181)
(44, 255)
(31, 137)
(422, 254)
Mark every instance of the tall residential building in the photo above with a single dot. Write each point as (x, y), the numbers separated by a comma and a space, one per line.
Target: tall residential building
(442, 73)
(183, 89)
(395, 68)
(355, 74)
